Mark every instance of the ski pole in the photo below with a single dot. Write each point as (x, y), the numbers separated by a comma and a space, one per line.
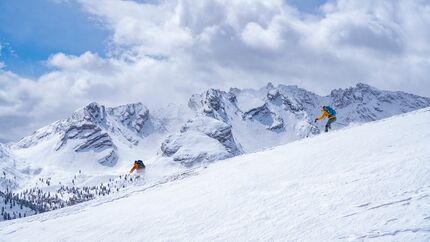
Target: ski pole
(341, 124)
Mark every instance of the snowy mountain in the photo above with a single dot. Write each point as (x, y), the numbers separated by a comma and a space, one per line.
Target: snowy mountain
(365, 103)
(272, 115)
(94, 128)
(87, 154)
(217, 125)
(368, 182)
(201, 139)
(95, 137)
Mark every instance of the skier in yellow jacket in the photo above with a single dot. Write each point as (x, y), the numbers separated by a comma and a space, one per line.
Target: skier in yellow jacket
(330, 113)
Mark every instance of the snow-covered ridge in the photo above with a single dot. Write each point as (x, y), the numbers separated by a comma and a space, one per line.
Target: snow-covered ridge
(366, 103)
(97, 129)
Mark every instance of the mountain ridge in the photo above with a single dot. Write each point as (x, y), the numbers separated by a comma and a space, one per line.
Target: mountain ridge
(216, 125)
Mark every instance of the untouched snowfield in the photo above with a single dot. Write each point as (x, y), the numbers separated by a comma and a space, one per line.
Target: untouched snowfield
(365, 183)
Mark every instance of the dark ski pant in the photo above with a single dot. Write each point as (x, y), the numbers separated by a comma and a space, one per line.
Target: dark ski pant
(329, 122)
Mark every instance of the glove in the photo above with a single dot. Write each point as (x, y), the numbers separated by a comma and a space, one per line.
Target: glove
(315, 120)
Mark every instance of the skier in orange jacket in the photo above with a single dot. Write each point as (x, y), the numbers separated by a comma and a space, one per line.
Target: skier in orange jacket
(138, 166)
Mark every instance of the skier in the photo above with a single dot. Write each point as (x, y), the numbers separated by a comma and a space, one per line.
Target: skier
(328, 112)
(138, 166)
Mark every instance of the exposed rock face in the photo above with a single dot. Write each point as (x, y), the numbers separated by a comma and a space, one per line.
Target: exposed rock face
(133, 116)
(95, 113)
(110, 159)
(212, 103)
(95, 128)
(215, 129)
(201, 139)
(266, 117)
(364, 103)
(270, 112)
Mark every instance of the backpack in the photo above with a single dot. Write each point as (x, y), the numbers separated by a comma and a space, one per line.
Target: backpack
(330, 111)
(140, 164)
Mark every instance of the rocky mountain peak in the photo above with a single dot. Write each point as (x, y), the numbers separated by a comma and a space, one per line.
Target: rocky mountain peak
(270, 86)
(133, 116)
(95, 112)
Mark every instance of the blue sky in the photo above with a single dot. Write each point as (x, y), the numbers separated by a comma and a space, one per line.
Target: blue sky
(307, 5)
(31, 31)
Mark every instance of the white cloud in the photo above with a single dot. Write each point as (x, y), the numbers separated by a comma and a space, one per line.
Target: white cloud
(151, 27)
(86, 61)
(163, 51)
(255, 36)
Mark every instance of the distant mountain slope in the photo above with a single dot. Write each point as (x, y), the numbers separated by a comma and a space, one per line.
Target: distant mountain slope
(94, 129)
(217, 125)
(369, 182)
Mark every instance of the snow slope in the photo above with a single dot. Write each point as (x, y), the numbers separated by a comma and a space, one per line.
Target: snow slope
(370, 182)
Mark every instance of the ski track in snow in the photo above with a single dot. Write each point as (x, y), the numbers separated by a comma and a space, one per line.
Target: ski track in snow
(367, 183)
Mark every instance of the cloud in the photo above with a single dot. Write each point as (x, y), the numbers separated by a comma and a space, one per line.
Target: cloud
(86, 61)
(163, 51)
(256, 36)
